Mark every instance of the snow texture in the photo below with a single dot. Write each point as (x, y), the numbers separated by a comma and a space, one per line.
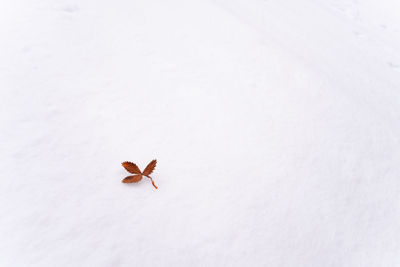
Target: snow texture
(275, 125)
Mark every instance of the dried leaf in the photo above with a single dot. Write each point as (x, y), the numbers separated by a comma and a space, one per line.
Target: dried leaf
(131, 167)
(150, 167)
(132, 179)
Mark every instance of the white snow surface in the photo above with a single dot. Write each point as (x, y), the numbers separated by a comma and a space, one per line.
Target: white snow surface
(275, 124)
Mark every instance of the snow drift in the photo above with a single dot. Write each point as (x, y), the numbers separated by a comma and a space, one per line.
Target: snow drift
(275, 125)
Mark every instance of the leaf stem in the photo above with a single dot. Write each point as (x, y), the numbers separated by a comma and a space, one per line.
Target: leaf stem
(152, 181)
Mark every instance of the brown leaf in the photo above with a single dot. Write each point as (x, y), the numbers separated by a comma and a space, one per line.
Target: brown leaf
(150, 167)
(131, 167)
(132, 179)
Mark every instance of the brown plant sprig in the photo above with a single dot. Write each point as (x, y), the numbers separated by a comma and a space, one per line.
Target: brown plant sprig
(133, 168)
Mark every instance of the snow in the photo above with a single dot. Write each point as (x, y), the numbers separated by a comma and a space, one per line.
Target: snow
(275, 125)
